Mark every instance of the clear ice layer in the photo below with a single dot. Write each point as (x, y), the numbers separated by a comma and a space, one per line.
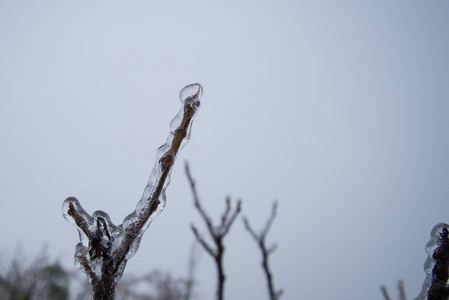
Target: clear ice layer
(192, 92)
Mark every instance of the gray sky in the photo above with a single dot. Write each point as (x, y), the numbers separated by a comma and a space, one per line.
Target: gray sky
(338, 109)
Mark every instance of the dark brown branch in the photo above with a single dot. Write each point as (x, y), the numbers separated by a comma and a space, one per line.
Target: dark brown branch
(260, 240)
(217, 234)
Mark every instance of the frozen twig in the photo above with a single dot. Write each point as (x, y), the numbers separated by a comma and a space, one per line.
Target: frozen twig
(435, 286)
(216, 233)
(105, 248)
(260, 240)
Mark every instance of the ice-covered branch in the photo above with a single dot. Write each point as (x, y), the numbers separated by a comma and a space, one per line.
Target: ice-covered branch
(260, 240)
(105, 248)
(217, 233)
(435, 286)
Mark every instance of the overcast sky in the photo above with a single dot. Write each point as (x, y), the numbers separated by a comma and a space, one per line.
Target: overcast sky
(338, 109)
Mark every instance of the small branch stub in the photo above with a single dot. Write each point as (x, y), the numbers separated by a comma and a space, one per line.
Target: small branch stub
(105, 248)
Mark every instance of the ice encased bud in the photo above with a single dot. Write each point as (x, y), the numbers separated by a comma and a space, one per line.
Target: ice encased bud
(70, 206)
(104, 226)
(192, 92)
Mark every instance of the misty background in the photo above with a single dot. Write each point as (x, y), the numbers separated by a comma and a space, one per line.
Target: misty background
(337, 109)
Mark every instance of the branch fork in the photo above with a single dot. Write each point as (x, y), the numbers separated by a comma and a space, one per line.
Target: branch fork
(217, 233)
(266, 251)
(105, 248)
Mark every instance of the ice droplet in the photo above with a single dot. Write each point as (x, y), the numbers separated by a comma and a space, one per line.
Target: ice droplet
(192, 92)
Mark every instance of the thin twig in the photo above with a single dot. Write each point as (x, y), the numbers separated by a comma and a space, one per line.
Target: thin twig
(203, 242)
(260, 240)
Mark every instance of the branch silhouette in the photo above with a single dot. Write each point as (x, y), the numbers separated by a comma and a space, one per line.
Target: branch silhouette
(266, 251)
(216, 233)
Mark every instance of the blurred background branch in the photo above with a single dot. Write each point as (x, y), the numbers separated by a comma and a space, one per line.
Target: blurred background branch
(217, 233)
(260, 240)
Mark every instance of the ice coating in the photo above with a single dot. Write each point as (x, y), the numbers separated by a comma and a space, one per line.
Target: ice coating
(72, 204)
(192, 92)
(178, 137)
(105, 248)
(435, 285)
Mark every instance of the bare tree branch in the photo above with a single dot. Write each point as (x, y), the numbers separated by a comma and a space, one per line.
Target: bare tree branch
(250, 230)
(217, 234)
(105, 248)
(203, 243)
(224, 218)
(228, 223)
(260, 240)
(270, 220)
(196, 201)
